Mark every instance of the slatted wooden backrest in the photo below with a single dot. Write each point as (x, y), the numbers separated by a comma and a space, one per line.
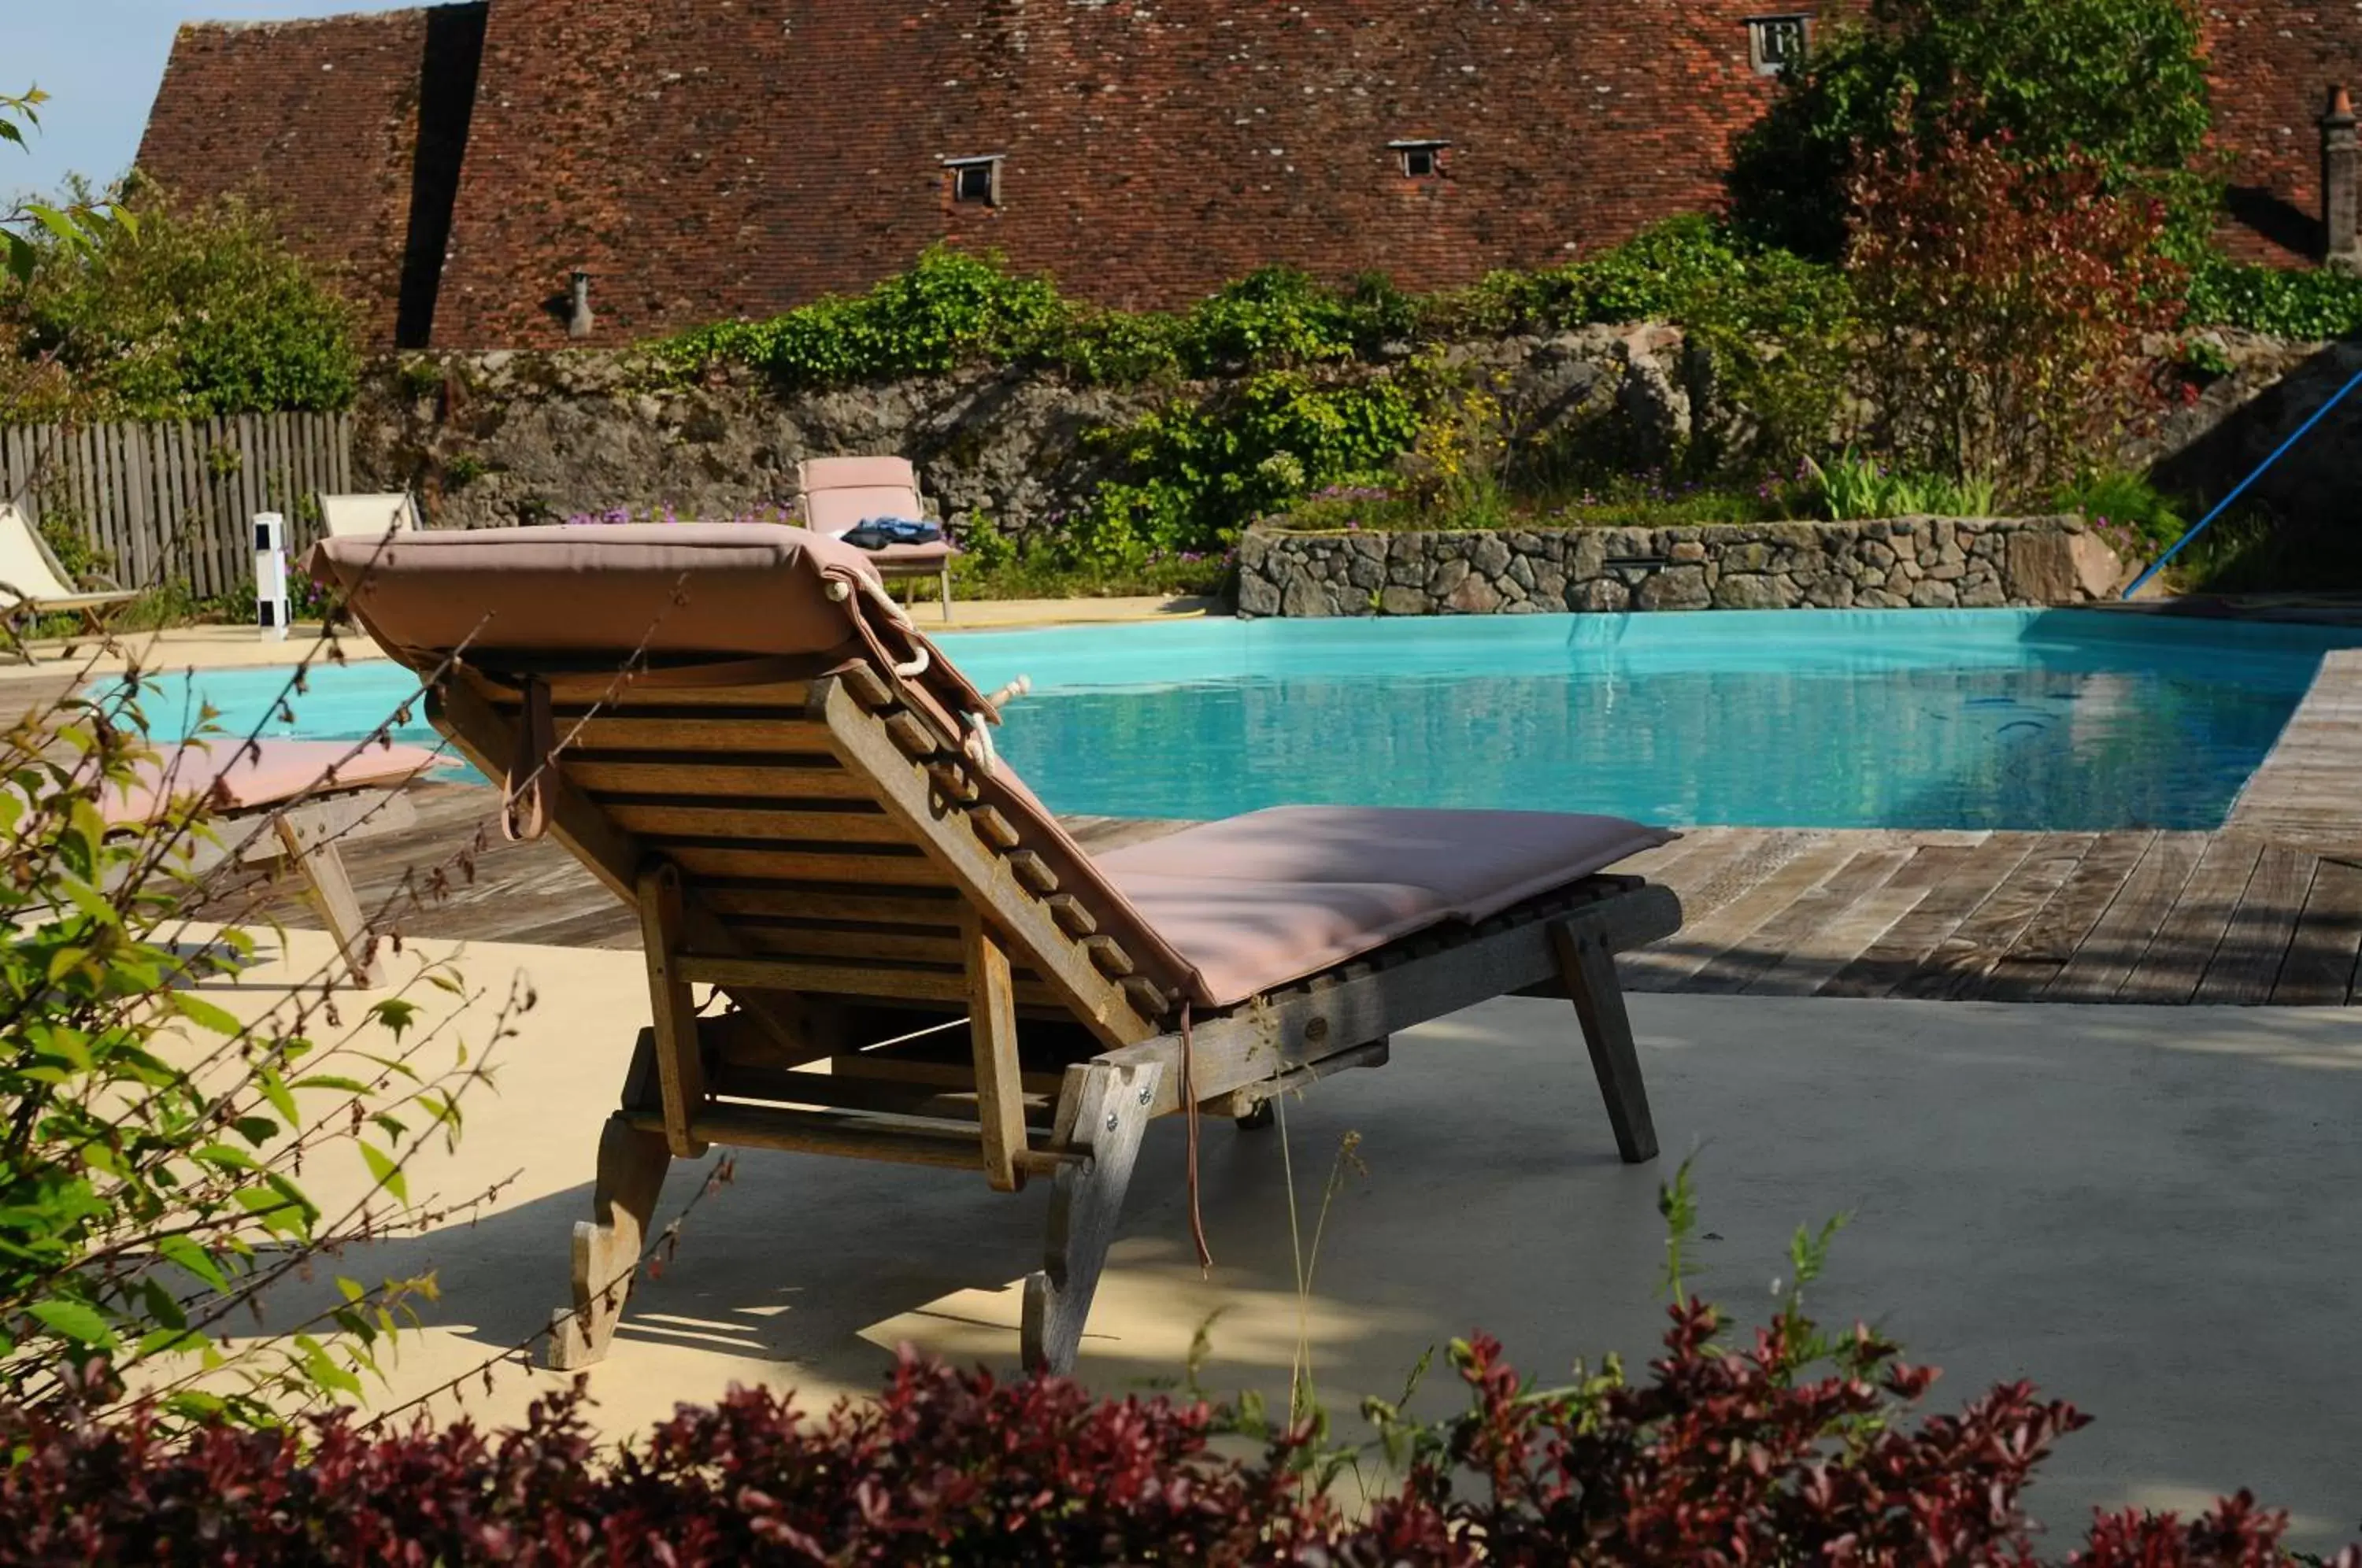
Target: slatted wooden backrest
(820, 826)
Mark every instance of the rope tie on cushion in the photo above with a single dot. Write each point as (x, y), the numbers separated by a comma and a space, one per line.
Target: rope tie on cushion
(840, 591)
(524, 803)
(978, 747)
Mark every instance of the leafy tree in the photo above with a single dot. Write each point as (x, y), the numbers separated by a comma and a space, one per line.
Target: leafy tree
(183, 311)
(2121, 83)
(2005, 305)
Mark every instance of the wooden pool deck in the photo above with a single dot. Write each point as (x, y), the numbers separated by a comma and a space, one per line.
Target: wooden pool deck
(2267, 911)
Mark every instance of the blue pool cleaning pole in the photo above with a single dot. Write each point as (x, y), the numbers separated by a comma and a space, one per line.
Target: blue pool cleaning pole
(2225, 505)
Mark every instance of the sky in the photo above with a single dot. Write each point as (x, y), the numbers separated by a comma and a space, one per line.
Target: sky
(101, 61)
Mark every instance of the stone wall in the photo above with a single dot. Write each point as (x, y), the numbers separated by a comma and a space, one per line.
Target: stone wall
(519, 436)
(513, 438)
(1922, 562)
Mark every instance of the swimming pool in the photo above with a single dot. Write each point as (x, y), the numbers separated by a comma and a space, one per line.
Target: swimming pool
(2060, 720)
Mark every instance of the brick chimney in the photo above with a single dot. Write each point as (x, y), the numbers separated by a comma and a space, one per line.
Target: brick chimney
(2341, 171)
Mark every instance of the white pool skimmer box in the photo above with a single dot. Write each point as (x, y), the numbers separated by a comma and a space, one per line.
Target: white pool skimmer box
(271, 607)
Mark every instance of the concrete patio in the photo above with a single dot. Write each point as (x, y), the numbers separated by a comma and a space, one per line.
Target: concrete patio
(2145, 1211)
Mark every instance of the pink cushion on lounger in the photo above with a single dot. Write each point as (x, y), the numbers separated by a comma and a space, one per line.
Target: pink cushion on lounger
(1259, 901)
(271, 772)
(892, 557)
(854, 473)
(710, 588)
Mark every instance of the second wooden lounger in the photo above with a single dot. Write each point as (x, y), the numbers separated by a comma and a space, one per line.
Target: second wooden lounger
(737, 733)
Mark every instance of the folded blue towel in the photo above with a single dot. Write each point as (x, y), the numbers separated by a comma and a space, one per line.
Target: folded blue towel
(877, 533)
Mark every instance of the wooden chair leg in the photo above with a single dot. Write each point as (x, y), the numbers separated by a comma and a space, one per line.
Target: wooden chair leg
(331, 892)
(1589, 970)
(947, 593)
(1108, 1106)
(607, 1248)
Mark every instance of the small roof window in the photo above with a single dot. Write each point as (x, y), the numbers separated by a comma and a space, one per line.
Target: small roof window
(1776, 45)
(1422, 159)
(975, 180)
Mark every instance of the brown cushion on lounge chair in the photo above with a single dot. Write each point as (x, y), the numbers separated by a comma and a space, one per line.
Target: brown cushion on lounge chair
(722, 588)
(911, 556)
(267, 773)
(1262, 900)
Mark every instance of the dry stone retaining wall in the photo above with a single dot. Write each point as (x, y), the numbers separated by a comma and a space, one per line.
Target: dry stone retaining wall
(1922, 562)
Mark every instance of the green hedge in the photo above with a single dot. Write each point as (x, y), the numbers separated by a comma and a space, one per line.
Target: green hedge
(2307, 304)
(954, 308)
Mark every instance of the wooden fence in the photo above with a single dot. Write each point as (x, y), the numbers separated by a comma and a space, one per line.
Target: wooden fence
(177, 502)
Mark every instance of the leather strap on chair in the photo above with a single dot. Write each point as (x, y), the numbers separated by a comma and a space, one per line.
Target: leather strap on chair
(1189, 1113)
(524, 807)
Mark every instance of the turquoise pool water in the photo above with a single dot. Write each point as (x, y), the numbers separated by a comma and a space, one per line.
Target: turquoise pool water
(1932, 719)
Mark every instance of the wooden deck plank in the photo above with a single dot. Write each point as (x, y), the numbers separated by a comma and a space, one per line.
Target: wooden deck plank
(1957, 880)
(2303, 796)
(1728, 870)
(1818, 956)
(1679, 957)
(2035, 960)
(2177, 960)
(2115, 946)
(1982, 939)
(2319, 971)
(1772, 912)
(2247, 963)
(1814, 910)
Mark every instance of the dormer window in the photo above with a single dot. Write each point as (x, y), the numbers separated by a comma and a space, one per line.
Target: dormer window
(1421, 160)
(1775, 45)
(975, 180)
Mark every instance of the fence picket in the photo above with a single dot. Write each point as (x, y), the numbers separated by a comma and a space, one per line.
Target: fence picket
(155, 499)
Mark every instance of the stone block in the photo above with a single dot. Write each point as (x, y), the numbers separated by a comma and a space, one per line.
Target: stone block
(1257, 595)
(2099, 570)
(1751, 590)
(2041, 570)
(1934, 595)
(1366, 573)
(1306, 597)
(1588, 555)
(1490, 555)
(1400, 601)
(1475, 596)
(1446, 577)
(1675, 588)
(1599, 595)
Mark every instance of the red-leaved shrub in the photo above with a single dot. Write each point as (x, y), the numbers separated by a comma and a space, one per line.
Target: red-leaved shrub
(2007, 303)
(1723, 1457)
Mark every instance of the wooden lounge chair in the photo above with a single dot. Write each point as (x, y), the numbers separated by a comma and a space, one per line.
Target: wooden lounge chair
(368, 516)
(33, 583)
(288, 805)
(373, 518)
(837, 495)
(798, 794)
